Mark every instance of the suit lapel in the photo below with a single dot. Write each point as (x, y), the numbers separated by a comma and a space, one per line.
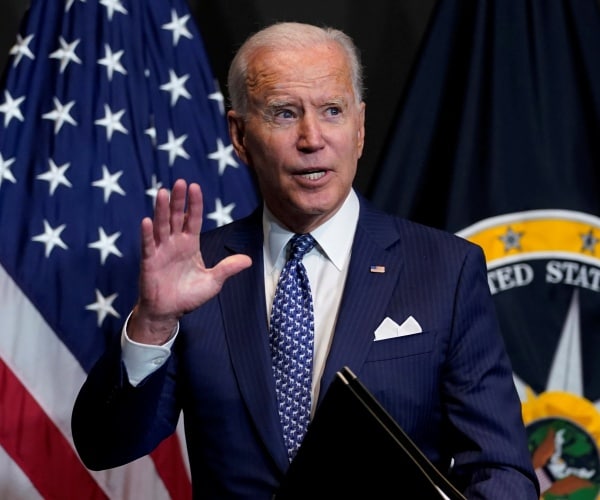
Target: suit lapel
(363, 306)
(244, 314)
(366, 294)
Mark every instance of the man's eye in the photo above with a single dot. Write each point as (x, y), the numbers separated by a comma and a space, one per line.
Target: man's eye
(284, 114)
(334, 111)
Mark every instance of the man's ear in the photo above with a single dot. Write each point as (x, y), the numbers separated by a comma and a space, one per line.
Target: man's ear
(361, 130)
(237, 130)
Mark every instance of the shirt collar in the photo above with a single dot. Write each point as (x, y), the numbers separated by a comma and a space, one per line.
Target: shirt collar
(334, 237)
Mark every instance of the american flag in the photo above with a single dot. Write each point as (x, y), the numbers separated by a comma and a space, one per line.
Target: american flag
(105, 101)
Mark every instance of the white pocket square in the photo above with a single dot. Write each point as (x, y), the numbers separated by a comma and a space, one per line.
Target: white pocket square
(389, 329)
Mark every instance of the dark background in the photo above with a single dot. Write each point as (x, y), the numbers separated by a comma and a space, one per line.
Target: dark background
(388, 33)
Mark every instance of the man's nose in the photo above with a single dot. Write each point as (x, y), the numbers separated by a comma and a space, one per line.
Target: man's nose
(310, 133)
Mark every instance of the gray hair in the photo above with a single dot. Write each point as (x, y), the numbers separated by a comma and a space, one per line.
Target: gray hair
(293, 35)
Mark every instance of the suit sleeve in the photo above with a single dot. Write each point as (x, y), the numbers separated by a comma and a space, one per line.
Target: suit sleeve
(114, 423)
(491, 458)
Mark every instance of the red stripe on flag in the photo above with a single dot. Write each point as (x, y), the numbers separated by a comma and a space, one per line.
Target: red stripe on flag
(38, 447)
(171, 468)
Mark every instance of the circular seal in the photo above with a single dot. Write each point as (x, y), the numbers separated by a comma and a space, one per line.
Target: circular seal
(544, 275)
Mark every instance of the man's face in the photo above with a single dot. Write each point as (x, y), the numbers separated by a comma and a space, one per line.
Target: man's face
(303, 133)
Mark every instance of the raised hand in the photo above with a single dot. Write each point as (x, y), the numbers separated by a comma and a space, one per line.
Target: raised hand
(173, 277)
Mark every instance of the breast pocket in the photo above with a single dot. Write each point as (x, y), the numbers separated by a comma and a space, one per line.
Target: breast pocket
(400, 347)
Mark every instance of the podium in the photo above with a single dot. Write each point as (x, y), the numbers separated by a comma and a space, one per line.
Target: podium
(354, 449)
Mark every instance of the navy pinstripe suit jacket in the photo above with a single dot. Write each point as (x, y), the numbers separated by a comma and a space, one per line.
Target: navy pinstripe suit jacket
(450, 387)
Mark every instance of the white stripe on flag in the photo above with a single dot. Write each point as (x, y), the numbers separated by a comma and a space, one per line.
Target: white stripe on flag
(53, 377)
(14, 485)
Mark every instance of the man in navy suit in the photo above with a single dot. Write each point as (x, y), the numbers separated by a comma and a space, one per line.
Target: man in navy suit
(406, 307)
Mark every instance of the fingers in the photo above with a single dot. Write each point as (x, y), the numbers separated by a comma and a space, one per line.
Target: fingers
(177, 206)
(193, 223)
(170, 215)
(148, 242)
(161, 226)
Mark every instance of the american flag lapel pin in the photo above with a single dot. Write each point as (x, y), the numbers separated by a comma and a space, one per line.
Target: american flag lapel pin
(378, 269)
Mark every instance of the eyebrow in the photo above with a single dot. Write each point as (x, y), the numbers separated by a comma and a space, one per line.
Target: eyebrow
(282, 103)
(337, 101)
(279, 103)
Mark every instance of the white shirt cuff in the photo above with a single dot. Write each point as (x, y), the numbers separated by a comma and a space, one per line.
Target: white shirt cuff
(143, 359)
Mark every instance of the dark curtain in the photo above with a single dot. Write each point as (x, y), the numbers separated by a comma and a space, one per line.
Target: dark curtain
(388, 32)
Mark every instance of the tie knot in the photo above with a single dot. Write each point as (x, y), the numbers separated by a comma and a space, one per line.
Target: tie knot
(301, 244)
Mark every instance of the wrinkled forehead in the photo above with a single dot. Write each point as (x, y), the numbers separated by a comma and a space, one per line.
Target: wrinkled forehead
(277, 69)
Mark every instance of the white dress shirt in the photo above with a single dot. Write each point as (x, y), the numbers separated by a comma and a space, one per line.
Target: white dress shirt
(327, 268)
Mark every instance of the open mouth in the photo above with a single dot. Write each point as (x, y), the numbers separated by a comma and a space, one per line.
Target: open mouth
(313, 176)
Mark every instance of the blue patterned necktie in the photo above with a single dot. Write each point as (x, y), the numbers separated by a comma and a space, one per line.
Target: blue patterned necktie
(291, 339)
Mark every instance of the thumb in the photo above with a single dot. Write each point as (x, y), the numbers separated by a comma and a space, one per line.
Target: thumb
(230, 266)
